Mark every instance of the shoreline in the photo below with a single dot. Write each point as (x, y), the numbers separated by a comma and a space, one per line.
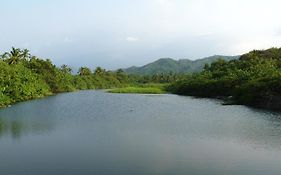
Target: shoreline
(225, 101)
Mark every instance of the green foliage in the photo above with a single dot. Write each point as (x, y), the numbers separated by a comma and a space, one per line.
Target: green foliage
(24, 77)
(254, 79)
(138, 90)
(19, 83)
(84, 71)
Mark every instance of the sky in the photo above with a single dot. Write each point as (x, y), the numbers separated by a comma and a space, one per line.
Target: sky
(121, 33)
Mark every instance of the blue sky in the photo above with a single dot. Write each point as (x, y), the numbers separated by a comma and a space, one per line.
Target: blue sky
(113, 34)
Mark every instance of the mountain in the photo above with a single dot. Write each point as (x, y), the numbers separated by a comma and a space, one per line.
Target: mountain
(166, 65)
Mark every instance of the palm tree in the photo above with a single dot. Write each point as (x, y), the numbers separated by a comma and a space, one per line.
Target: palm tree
(5, 56)
(14, 56)
(25, 54)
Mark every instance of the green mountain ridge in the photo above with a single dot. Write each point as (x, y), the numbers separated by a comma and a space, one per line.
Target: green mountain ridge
(167, 65)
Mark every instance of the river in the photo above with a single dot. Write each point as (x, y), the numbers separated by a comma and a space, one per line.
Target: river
(95, 133)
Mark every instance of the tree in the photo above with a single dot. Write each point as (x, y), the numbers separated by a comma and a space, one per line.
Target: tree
(65, 69)
(121, 76)
(84, 71)
(15, 55)
(99, 71)
(25, 54)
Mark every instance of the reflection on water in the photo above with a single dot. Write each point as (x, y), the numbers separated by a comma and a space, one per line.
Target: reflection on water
(91, 132)
(17, 128)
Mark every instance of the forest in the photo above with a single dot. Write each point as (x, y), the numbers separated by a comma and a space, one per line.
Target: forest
(254, 80)
(24, 77)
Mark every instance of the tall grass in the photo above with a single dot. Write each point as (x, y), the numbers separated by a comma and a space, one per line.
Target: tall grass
(138, 90)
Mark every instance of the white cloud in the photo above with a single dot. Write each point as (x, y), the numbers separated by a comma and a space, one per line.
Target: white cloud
(132, 39)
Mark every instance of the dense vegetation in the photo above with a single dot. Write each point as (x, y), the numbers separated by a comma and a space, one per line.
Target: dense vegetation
(254, 79)
(168, 65)
(24, 77)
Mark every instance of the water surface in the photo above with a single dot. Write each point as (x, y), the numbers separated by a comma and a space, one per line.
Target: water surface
(92, 132)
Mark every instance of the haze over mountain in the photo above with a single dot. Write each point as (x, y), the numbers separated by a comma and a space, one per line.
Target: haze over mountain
(167, 65)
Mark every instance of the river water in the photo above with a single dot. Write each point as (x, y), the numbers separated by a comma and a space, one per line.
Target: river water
(95, 133)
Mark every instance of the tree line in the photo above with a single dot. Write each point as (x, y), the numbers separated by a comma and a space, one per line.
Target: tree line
(24, 76)
(254, 79)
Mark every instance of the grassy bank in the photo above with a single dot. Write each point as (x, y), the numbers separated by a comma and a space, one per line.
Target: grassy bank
(141, 89)
(137, 90)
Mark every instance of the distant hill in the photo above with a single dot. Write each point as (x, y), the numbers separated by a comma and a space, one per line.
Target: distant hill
(166, 65)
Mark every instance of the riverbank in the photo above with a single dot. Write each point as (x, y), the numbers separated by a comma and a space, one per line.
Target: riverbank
(253, 80)
(137, 90)
(271, 104)
(25, 77)
(149, 88)
(268, 102)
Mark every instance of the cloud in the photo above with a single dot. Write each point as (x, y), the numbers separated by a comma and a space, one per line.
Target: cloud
(122, 30)
(132, 39)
